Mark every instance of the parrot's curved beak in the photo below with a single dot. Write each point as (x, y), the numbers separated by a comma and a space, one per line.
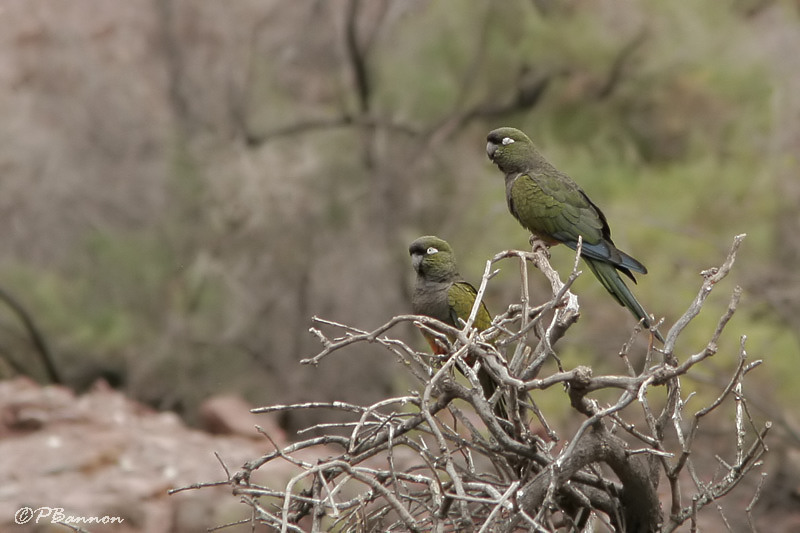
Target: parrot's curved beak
(491, 148)
(416, 261)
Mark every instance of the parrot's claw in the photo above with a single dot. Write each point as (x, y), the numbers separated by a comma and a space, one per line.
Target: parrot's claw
(538, 244)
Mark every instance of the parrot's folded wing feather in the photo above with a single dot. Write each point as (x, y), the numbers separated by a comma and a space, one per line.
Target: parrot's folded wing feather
(461, 298)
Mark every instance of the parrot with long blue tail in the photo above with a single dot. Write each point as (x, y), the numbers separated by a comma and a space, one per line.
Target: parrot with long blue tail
(550, 205)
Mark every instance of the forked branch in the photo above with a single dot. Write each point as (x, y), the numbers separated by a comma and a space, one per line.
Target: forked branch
(440, 458)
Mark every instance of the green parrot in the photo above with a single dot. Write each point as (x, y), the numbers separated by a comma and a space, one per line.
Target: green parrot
(555, 209)
(441, 293)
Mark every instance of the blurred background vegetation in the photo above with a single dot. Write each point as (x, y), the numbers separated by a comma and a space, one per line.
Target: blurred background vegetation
(186, 183)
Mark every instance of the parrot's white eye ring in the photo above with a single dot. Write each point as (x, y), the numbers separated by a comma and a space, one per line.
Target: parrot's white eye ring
(431, 250)
(507, 140)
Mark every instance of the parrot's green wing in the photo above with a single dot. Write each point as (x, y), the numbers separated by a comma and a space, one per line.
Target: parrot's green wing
(461, 298)
(556, 209)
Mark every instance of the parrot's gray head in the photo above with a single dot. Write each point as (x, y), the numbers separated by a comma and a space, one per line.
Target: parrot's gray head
(432, 258)
(509, 149)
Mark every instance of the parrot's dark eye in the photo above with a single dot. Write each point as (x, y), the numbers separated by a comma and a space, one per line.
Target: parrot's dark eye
(507, 140)
(431, 250)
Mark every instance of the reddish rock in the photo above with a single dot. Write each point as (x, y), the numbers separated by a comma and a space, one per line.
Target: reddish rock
(230, 415)
(101, 455)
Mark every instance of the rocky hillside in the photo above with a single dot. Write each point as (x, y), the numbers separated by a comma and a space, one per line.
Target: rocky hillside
(103, 456)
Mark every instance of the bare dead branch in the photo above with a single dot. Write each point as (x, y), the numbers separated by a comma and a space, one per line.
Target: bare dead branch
(621, 61)
(37, 337)
(439, 458)
(356, 56)
(710, 278)
(344, 120)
